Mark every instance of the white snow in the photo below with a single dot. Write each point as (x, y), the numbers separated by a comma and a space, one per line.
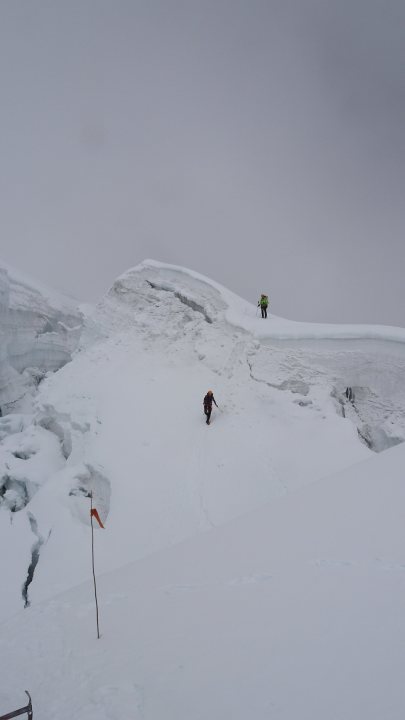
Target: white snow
(295, 610)
(240, 313)
(39, 330)
(268, 547)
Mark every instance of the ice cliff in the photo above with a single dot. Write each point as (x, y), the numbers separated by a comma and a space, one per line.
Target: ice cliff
(39, 330)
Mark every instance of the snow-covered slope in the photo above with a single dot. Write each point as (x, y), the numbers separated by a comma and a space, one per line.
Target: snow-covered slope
(124, 419)
(293, 611)
(39, 329)
(218, 303)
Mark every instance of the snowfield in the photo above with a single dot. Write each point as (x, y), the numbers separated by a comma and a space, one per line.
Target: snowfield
(294, 610)
(252, 568)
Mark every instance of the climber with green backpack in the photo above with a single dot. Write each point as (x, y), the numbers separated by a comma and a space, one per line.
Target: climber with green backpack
(263, 304)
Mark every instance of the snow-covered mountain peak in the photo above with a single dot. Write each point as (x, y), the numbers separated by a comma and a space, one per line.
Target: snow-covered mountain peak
(219, 304)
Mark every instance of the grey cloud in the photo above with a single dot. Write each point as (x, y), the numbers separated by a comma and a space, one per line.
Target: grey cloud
(261, 143)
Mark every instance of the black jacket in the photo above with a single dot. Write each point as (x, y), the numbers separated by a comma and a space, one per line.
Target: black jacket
(208, 400)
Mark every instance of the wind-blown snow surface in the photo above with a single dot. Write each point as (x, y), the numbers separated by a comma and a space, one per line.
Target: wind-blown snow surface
(265, 616)
(293, 611)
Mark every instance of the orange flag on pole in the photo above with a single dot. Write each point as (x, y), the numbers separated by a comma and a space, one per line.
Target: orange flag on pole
(94, 513)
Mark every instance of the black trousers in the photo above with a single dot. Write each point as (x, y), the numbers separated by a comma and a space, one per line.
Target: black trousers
(208, 411)
(264, 311)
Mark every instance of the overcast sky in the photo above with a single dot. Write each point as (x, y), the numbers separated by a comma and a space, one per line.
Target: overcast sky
(260, 142)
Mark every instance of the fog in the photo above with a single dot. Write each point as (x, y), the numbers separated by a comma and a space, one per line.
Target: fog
(260, 143)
